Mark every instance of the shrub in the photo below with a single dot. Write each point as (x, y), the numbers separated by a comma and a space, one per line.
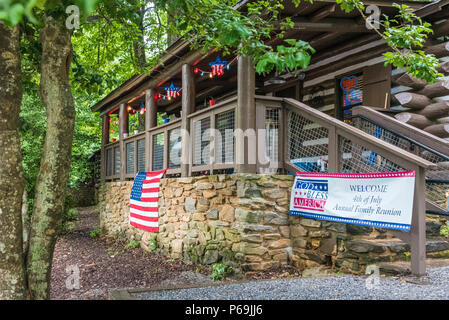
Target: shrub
(219, 271)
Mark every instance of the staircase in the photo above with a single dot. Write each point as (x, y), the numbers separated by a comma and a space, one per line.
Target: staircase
(421, 143)
(317, 142)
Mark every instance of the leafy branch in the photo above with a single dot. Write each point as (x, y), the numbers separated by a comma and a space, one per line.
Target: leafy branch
(405, 33)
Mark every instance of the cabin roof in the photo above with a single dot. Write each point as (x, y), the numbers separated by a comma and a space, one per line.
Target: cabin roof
(323, 24)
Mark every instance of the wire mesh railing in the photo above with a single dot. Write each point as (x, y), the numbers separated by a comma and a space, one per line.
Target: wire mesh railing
(307, 143)
(437, 178)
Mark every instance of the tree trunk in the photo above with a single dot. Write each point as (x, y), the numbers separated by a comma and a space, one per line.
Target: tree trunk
(51, 183)
(12, 182)
(139, 43)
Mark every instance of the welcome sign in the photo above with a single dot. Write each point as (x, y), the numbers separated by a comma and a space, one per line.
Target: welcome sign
(382, 200)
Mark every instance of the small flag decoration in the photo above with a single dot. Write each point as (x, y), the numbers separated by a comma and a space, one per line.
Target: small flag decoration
(143, 205)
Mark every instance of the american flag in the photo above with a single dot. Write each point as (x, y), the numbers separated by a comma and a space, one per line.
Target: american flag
(143, 209)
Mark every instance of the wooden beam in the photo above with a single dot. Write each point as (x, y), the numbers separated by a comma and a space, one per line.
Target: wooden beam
(150, 122)
(330, 25)
(383, 3)
(104, 141)
(188, 106)
(344, 47)
(123, 129)
(323, 13)
(318, 41)
(439, 50)
(245, 113)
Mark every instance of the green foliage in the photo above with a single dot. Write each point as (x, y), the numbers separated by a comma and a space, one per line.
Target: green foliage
(407, 256)
(217, 24)
(95, 233)
(71, 215)
(444, 231)
(132, 244)
(69, 218)
(220, 271)
(405, 34)
(13, 11)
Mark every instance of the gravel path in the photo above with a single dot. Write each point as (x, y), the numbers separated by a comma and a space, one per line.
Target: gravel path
(434, 286)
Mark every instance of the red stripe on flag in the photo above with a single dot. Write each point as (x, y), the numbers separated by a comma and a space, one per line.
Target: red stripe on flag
(150, 229)
(155, 173)
(140, 217)
(149, 199)
(158, 180)
(147, 209)
(148, 190)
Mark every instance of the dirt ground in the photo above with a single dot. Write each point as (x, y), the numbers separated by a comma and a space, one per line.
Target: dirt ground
(86, 267)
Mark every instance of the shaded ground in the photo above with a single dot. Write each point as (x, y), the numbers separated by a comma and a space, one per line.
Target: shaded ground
(106, 264)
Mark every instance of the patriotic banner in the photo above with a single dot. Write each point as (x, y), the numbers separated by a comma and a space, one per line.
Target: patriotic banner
(382, 200)
(143, 205)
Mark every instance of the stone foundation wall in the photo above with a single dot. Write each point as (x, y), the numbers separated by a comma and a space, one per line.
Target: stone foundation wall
(242, 220)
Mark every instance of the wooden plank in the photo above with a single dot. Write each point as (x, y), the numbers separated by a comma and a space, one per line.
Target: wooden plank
(330, 25)
(322, 13)
(377, 86)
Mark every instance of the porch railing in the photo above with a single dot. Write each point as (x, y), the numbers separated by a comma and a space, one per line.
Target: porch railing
(212, 143)
(413, 140)
(314, 137)
(296, 137)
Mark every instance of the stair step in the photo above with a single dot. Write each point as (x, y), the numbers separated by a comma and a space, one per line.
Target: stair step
(394, 245)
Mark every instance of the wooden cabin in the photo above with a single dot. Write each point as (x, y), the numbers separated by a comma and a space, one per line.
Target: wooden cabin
(346, 112)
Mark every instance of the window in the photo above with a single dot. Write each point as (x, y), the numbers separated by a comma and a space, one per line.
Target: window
(351, 94)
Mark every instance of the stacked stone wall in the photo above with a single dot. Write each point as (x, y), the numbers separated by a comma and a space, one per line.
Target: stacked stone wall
(242, 220)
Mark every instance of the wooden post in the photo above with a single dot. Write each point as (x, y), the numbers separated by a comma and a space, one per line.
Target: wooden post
(418, 229)
(150, 122)
(188, 106)
(123, 128)
(104, 142)
(333, 158)
(245, 112)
